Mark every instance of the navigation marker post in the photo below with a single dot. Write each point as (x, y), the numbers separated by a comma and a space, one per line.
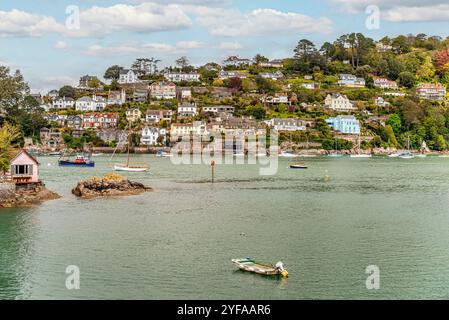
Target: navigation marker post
(212, 164)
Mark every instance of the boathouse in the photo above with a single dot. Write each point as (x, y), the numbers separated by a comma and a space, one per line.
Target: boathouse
(24, 169)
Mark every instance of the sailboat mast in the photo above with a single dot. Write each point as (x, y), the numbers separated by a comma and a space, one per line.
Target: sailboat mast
(129, 146)
(360, 144)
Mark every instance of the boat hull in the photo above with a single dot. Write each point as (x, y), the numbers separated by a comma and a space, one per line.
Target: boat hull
(361, 156)
(63, 163)
(258, 268)
(130, 169)
(298, 167)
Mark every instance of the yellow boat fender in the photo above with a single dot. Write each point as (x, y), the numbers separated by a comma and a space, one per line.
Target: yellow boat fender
(284, 273)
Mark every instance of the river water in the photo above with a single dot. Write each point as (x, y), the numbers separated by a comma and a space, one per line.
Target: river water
(327, 224)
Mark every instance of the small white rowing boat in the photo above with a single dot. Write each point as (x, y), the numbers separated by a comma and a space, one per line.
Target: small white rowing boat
(261, 268)
(128, 168)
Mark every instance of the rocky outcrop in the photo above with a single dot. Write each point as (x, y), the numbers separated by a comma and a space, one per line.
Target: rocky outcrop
(111, 185)
(27, 196)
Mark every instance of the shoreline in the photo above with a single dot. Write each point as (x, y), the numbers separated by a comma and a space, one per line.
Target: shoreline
(12, 196)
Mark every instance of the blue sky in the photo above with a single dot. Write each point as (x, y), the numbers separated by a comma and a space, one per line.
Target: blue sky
(35, 37)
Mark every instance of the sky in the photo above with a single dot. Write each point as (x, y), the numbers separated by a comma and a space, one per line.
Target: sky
(55, 42)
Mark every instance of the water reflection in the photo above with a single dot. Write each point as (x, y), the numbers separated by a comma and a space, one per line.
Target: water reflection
(17, 229)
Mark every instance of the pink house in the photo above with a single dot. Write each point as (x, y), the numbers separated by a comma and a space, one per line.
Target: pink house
(24, 168)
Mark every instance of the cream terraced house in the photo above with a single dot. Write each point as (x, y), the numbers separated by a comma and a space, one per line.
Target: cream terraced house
(339, 102)
(63, 103)
(431, 91)
(197, 128)
(180, 76)
(133, 115)
(88, 104)
(163, 90)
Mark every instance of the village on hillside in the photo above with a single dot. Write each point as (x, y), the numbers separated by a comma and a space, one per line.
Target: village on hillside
(353, 94)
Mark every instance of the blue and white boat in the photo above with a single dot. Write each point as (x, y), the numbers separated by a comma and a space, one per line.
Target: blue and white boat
(79, 161)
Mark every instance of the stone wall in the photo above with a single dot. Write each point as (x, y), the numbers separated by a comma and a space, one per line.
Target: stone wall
(7, 190)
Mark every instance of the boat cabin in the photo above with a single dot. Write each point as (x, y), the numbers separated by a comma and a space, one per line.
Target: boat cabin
(24, 168)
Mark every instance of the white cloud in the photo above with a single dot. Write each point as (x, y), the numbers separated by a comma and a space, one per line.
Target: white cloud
(360, 5)
(128, 49)
(205, 3)
(146, 17)
(259, 22)
(232, 46)
(401, 10)
(52, 82)
(416, 14)
(16, 23)
(98, 21)
(60, 45)
(190, 45)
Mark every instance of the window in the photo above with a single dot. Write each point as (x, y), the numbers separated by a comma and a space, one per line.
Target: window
(23, 170)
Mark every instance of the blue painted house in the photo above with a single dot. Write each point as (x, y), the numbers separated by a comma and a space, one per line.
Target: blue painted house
(345, 124)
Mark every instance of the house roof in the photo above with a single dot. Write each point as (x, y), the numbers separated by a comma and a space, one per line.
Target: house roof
(23, 151)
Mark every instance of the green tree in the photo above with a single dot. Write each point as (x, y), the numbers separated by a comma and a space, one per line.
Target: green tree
(260, 59)
(407, 79)
(257, 112)
(390, 136)
(68, 92)
(265, 85)
(9, 136)
(113, 72)
(94, 83)
(440, 143)
(395, 122)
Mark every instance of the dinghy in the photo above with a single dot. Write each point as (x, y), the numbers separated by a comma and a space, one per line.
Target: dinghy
(261, 268)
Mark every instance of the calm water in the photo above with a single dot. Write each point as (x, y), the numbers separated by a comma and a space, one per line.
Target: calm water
(177, 242)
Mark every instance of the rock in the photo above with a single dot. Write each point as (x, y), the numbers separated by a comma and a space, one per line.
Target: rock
(110, 185)
(29, 195)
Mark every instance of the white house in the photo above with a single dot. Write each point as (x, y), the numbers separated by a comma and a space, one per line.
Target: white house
(156, 116)
(277, 63)
(310, 85)
(128, 76)
(151, 136)
(349, 80)
(431, 91)
(116, 98)
(339, 102)
(385, 84)
(163, 90)
(232, 74)
(287, 124)
(53, 94)
(235, 61)
(90, 104)
(380, 102)
(196, 128)
(276, 99)
(187, 110)
(63, 103)
(183, 93)
(180, 76)
(272, 75)
(219, 109)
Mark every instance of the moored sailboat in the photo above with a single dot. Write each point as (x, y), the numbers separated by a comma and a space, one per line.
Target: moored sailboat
(359, 153)
(128, 166)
